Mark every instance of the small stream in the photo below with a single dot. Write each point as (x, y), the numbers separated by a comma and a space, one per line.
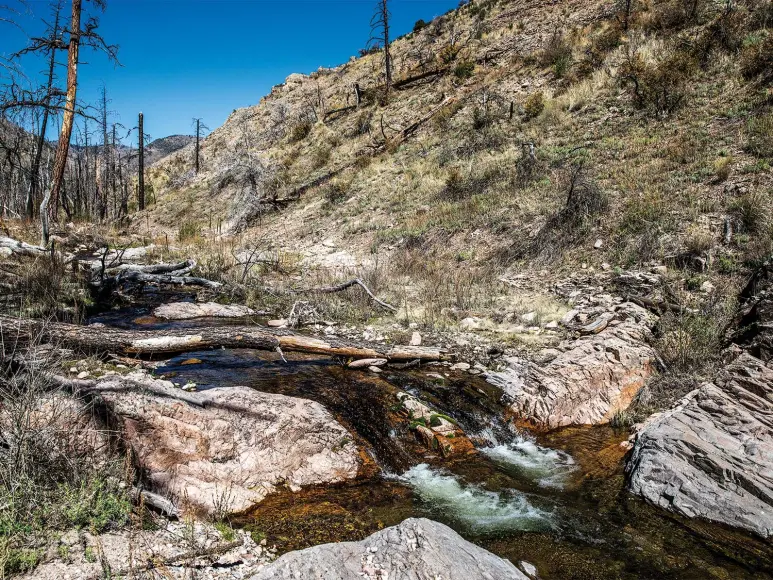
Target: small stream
(557, 500)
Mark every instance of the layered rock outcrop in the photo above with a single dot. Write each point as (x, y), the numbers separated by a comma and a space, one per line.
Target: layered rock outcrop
(588, 380)
(711, 456)
(224, 449)
(417, 549)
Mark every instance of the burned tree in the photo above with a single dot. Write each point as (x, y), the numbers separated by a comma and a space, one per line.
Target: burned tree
(49, 45)
(200, 127)
(47, 208)
(77, 36)
(379, 36)
(141, 163)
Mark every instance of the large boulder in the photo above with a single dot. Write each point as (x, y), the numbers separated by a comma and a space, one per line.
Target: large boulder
(417, 549)
(711, 456)
(225, 449)
(591, 378)
(190, 310)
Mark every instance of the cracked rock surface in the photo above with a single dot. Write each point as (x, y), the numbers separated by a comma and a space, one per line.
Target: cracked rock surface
(587, 380)
(711, 456)
(225, 449)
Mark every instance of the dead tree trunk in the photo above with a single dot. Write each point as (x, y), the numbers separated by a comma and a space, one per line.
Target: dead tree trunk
(379, 27)
(48, 208)
(141, 165)
(34, 189)
(198, 139)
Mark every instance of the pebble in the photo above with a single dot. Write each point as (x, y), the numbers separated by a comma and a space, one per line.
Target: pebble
(374, 369)
(461, 366)
(83, 374)
(415, 339)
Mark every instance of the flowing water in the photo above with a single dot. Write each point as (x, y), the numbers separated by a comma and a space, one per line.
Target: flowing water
(556, 500)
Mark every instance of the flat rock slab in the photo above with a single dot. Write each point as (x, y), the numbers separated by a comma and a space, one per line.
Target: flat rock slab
(225, 449)
(712, 455)
(586, 383)
(190, 310)
(417, 549)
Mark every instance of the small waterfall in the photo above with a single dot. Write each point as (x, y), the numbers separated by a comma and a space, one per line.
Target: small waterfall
(524, 458)
(480, 510)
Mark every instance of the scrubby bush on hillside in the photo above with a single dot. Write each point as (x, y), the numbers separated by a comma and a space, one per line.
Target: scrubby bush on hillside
(420, 25)
(659, 86)
(753, 213)
(671, 14)
(757, 56)
(534, 105)
(300, 130)
(461, 186)
(464, 69)
(557, 54)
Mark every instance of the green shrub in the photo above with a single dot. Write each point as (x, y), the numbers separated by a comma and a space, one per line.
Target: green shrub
(419, 25)
(557, 54)
(757, 56)
(300, 131)
(464, 70)
(189, 230)
(534, 105)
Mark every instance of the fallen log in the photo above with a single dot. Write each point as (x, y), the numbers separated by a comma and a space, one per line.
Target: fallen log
(175, 269)
(175, 278)
(102, 339)
(22, 248)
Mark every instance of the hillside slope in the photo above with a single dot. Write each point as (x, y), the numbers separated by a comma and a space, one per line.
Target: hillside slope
(518, 135)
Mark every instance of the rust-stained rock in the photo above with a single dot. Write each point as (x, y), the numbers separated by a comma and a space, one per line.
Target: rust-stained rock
(224, 449)
(592, 378)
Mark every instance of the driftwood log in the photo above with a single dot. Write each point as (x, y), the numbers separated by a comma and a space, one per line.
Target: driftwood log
(22, 248)
(344, 286)
(101, 339)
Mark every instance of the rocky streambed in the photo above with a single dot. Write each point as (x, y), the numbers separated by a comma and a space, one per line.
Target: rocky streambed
(434, 470)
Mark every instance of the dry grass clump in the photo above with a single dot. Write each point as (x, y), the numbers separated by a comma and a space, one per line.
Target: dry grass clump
(691, 341)
(300, 130)
(42, 286)
(753, 213)
(759, 134)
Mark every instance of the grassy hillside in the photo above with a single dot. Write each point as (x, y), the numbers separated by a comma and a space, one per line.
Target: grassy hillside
(545, 137)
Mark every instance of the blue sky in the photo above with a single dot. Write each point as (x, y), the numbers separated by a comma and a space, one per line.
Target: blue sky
(204, 58)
